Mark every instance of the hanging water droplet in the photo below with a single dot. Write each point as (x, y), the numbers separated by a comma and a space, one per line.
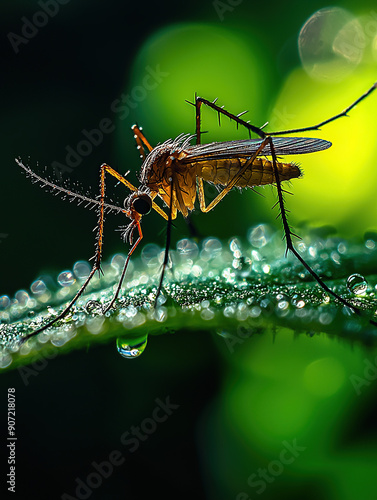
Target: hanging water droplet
(132, 348)
(93, 307)
(357, 284)
(66, 278)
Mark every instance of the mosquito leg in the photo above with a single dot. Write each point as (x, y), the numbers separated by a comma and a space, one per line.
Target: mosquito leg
(140, 237)
(199, 182)
(168, 240)
(329, 120)
(141, 141)
(97, 259)
(221, 111)
(288, 236)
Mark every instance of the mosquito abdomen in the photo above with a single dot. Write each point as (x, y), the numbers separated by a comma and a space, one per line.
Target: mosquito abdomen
(260, 172)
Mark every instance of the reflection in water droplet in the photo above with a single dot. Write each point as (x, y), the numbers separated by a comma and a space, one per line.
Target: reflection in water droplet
(370, 244)
(229, 275)
(117, 262)
(132, 348)
(66, 278)
(298, 301)
(93, 307)
(331, 44)
(357, 284)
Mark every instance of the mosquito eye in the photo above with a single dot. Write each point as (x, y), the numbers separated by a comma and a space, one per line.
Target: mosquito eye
(142, 204)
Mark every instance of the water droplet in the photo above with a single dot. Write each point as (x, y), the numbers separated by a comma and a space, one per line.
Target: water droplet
(235, 248)
(370, 244)
(207, 314)
(327, 45)
(38, 287)
(66, 278)
(149, 254)
(187, 248)
(259, 236)
(132, 348)
(298, 301)
(81, 269)
(266, 269)
(212, 248)
(229, 311)
(5, 359)
(4, 301)
(342, 248)
(93, 307)
(229, 275)
(357, 284)
(283, 304)
(22, 297)
(160, 314)
(161, 300)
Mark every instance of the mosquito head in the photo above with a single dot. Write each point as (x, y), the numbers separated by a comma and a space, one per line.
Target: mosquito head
(138, 202)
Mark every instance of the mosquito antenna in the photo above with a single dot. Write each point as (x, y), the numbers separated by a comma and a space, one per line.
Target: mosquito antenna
(67, 192)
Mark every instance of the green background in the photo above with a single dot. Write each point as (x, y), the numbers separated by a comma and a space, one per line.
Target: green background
(239, 405)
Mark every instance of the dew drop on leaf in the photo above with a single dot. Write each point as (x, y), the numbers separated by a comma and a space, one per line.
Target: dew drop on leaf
(93, 307)
(357, 284)
(66, 278)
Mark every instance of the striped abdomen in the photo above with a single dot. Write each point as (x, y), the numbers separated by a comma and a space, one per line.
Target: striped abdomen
(258, 173)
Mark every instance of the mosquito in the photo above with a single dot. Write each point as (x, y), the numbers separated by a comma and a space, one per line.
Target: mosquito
(175, 171)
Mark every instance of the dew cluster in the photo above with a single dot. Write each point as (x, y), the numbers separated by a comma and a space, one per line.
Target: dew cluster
(243, 281)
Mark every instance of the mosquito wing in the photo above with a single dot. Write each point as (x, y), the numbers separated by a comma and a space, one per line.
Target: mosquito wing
(245, 148)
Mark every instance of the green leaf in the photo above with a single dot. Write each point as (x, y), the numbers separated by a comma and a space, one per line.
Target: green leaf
(237, 289)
